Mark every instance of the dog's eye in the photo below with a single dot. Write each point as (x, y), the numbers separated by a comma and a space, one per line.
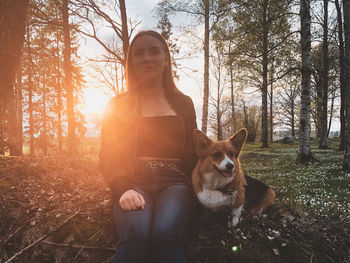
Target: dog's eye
(231, 153)
(217, 155)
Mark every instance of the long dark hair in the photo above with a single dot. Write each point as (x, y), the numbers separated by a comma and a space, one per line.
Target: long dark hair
(169, 86)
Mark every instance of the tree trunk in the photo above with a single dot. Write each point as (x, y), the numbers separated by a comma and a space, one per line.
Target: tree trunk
(206, 68)
(30, 96)
(116, 78)
(304, 154)
(12, 120)
(19, 99)
(325, 66)
(271, 113)
(331, 113)
(2, 129)
(44, 119)
(264, 128)
(346, 8)
(122, 73)
(293, 120)
(318, 111)
(233, 117)
(125, 34)
(218, 112)
(341, 76)
(59, 97)
(12, 27)
(68, 79)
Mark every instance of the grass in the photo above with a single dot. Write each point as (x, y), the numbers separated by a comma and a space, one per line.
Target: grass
(321, 187)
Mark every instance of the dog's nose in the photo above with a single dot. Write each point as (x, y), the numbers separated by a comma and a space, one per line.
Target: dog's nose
(229, 166)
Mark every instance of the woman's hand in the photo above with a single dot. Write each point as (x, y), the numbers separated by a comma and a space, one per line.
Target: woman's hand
(131, 200)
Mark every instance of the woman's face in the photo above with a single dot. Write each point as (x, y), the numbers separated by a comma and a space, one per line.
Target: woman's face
(148, 58)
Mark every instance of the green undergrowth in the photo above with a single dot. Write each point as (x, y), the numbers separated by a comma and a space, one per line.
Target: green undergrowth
(320, 187)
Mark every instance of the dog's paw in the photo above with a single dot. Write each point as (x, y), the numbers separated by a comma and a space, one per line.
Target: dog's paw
(233, 221)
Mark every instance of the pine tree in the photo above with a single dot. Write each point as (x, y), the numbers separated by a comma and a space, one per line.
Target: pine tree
(166, 31)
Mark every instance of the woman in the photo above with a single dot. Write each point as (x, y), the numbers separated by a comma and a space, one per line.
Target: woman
(147, 156)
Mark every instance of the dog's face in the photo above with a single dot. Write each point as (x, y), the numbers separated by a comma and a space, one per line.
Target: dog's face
(219, 160)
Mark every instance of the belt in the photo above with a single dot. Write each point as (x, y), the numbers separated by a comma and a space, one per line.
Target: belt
(167, 164)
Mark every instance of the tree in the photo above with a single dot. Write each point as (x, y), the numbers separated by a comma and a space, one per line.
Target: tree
(346, 13)
(288, 103)
(317, 88)
(166, 31)
(45, 102)
(261, 32)
(89, 12)
(230, 68)
(304, 153)
(341, 74)
(13, 17)
(67, 66)
(249, 116)
(220, 35)
(325, 69)
(216, 119)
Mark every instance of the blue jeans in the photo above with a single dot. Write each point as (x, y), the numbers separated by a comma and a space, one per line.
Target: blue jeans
(155, 234)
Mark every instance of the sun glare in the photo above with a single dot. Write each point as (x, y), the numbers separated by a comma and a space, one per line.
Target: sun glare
(95, 101)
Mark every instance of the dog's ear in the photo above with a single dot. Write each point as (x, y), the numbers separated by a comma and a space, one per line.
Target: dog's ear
(238, 139)
(200, 142)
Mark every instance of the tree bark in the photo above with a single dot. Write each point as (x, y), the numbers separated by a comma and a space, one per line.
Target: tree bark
(325, 66)
(59, 96)
(271, 112)
(331, 113)
(346, 10)
(233, 117)
(304, 154)
(125, 34)
(19, 99)
(30, 96)
(218, 99)
(67, 67)
(264, 126)
(206, 68)
(44, 119)
(12, 28)
(293, 119)
(341, 75)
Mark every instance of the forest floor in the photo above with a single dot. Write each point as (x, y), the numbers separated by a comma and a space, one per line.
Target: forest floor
(58, 209)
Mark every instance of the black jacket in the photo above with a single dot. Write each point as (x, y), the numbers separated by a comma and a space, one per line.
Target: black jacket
(118, 140)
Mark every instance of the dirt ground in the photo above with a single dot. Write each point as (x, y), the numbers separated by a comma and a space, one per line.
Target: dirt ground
(59, 210)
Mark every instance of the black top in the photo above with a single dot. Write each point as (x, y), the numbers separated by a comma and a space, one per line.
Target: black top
(119, 138)
(160, 136)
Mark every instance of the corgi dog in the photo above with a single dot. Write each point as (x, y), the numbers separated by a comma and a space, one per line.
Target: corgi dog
(218, 180)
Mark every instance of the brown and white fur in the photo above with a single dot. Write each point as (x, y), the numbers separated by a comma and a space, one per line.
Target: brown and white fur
(218, 171)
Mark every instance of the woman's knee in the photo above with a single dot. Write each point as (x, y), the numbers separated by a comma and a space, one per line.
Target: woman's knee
(165, 234)
(135, 235)
(133, 226)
